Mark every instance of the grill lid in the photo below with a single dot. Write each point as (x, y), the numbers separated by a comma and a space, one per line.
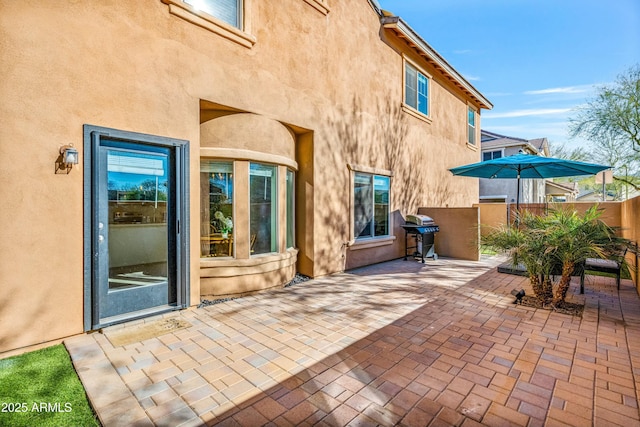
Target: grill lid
(420, 220)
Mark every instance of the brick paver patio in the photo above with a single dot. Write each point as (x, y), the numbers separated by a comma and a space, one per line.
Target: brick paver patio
(399, 343)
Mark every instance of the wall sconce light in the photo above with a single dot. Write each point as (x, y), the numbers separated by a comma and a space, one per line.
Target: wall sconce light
(67, 158)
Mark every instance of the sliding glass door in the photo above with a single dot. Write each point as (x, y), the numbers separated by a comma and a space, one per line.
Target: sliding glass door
(135, 228)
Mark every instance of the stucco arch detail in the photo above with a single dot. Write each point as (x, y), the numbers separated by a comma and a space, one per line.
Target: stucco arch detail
(248, 131)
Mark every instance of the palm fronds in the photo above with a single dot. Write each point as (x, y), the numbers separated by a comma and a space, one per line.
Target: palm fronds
(555, 244)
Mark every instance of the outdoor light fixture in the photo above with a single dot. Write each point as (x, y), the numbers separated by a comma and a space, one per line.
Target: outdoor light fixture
(518, 294)
(67, 158)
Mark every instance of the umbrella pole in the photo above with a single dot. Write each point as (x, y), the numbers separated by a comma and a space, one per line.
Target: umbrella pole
(518, 193)
(518, 200)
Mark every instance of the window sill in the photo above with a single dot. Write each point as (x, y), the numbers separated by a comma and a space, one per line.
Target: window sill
(319, 5)
(253, 261)
(233, 267)
(472, 147)
(415, 113)
(229, 32)
(372, 243)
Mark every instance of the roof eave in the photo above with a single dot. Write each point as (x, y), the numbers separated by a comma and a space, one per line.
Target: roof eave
(403, 30)
(498, 144)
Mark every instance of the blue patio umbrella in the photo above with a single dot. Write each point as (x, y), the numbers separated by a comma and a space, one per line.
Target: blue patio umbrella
(527, 166)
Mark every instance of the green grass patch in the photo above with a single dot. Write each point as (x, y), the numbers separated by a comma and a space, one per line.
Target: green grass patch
(41, 388)
(488, 251)
(624, 273)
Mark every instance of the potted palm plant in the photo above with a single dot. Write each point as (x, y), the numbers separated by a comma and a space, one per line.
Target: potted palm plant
(526, 245)
(572, 238)
(555, 245)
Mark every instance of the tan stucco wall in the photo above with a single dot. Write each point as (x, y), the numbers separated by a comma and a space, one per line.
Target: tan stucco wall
(631, 230)
(136, 67)
(611, 211)
(491, 215)
(241, 276)
(250, 132)
(495, 214)
(459, 235)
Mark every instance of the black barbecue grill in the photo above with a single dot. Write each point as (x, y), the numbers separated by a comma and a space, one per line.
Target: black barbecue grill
(422, 229)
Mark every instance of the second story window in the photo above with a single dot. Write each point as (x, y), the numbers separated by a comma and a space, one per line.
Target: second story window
(471, 126)
(230, 19)
(490, 155)
(416, 89)
(229, 11)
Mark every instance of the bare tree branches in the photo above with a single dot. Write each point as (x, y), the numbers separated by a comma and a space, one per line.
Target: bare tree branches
(614, 113)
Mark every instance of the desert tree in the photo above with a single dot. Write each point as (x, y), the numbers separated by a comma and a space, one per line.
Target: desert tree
(613, 114)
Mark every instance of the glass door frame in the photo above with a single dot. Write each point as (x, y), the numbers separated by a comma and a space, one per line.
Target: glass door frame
(93, 135)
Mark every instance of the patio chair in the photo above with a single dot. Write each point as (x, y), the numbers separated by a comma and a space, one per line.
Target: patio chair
(612, 265)
(252, 242)
(206, 248)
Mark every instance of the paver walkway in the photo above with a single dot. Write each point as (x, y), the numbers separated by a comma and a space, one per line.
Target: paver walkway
(399, 343)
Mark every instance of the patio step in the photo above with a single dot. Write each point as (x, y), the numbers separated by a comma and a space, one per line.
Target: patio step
(509, 268)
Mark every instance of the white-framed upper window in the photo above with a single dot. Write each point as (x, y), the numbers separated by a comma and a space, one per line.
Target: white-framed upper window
(370, 205)
(490, 155)
(230, 19)
(320, 5)
(229, 11)
(471, 126)
(416, 88)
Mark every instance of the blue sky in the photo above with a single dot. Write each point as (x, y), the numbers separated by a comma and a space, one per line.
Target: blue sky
(535, 60)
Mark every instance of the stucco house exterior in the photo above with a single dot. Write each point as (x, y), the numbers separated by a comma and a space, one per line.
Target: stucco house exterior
(495, 146)
(221, 146)
(561, 192)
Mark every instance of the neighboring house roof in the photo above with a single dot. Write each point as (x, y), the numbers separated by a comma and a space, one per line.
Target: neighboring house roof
(592, 195)
(491, 140)
(556, 188)
(541, 144)
(413, 39)
(488, 136)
